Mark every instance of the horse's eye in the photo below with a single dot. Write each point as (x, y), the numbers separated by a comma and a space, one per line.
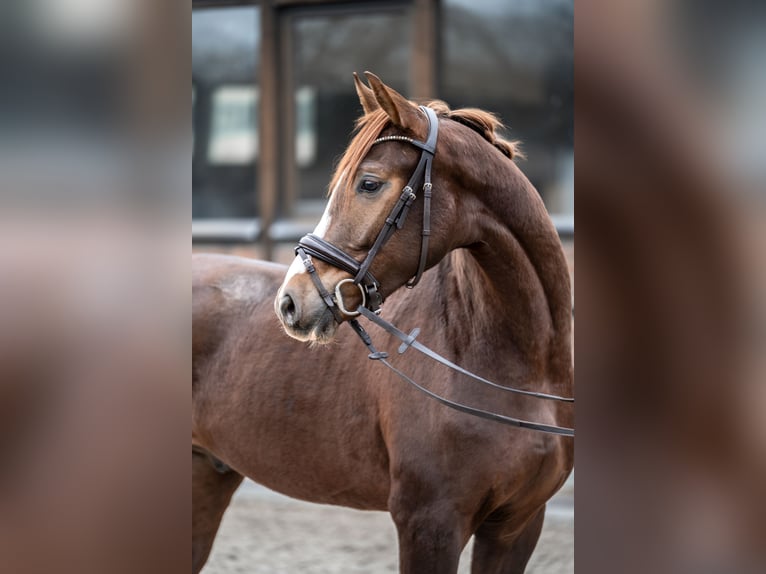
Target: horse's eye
(369, 186)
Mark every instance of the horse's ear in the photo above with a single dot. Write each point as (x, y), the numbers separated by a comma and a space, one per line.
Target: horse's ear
(366, 96)
(402, 112)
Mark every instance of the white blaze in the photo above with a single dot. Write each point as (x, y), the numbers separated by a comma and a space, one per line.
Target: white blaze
(297, 265)
(324, 223)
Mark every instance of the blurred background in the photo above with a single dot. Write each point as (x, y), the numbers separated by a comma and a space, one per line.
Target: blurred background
(274, 101)
(97, 186)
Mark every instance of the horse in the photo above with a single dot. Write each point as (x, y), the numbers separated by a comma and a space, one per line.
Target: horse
(284, 394)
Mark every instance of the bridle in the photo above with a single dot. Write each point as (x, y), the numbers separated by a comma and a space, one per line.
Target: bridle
(314, 246)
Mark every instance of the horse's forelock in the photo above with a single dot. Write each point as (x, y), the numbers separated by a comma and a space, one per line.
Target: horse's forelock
(366, 131)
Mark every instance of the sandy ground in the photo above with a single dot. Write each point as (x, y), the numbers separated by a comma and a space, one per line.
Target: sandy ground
(266, 533)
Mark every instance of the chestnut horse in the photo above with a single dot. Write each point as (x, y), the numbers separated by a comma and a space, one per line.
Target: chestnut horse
(320, 422)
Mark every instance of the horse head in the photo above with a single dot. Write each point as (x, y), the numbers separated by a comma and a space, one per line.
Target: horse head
(369, 199)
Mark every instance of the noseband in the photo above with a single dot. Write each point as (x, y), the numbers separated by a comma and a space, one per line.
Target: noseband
(314, 246)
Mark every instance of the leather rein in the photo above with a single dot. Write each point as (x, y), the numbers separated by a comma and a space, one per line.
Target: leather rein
(313, 246)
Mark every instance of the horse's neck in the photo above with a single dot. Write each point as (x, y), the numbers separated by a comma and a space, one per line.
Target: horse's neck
(513, 282)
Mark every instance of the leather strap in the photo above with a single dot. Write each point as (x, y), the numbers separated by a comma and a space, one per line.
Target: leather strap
(426, 232)
(399, 213)
(394, 221)
(327, 252)
(382, 357)
(409, 341)
(313, 246)
(323, 293)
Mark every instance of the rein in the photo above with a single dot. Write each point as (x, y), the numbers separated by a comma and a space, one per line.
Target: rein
(314, 246)
(409, 341)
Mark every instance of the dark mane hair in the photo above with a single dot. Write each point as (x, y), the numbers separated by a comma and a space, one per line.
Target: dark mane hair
(369, 126)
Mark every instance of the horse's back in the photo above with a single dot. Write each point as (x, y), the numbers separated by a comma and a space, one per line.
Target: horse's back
(225, 289)
(229, 272)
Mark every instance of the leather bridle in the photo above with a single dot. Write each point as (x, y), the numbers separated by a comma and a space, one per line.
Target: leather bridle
(314, 246)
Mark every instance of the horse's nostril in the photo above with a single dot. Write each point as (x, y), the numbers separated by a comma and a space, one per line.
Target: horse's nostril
(287, 308)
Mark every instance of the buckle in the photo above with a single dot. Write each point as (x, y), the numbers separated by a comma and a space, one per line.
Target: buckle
(410, 339)
(339, 297)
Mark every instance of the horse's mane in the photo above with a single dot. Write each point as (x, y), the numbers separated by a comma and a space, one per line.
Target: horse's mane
(483, 123)
(369, 126)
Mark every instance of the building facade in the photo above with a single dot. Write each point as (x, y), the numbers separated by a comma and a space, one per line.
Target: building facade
(274, 102)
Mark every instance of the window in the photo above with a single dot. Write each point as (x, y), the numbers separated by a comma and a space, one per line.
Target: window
(225, 49)
(233, 131)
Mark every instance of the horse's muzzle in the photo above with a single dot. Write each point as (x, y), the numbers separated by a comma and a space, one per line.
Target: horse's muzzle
(304, 319)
